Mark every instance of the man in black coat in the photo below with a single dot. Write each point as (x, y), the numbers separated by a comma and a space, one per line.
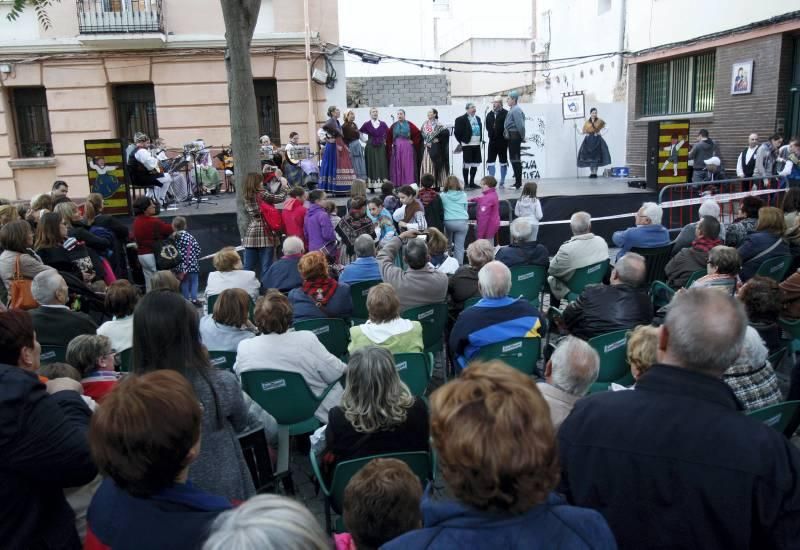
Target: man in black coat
(498, 146)
(54, 322)
(675, 463)
(468, 130)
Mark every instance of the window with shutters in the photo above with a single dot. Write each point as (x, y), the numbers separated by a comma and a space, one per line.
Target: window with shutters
(679, 86)
(32, 123)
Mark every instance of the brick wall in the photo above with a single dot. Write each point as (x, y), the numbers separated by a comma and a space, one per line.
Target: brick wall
(398, 90)
(735, 116)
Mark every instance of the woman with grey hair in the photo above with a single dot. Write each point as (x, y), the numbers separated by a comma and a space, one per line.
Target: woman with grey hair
(463, 285)
(377, 415)
(267, 522)
(751, 377)
(93, 357)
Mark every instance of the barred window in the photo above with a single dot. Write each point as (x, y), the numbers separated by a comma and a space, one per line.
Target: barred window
(135, 105)
(267, 104)
(679, 86)
(32, 122)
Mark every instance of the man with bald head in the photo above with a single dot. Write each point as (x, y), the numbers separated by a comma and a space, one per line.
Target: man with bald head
(676, 463)
(746, 163)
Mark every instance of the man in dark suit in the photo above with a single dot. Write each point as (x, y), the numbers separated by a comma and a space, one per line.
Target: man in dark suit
(498, 146)
(54, 322)
(468, 130)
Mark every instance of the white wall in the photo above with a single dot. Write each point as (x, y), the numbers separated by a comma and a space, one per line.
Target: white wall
(480, 19)
(265, 24)
(25, 28)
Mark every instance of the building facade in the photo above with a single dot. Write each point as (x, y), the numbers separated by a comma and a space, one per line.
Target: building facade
(109, 68)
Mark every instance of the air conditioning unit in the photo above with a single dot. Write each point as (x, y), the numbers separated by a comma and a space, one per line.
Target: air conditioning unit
(536, 46)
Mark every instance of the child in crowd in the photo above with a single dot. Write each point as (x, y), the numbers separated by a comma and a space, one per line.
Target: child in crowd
(528, 206)
(434, 210)
(411, 215)
(318, 228)
(390, 200)
(488, 212)
(188, 271)
(381, 502)
(380, 216)
(454, 201)
(294, 212)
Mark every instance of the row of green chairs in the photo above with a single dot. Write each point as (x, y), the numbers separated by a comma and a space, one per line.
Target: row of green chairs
(52, 354)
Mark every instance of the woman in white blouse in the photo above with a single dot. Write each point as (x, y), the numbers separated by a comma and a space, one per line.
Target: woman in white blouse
(121, 300)
(230, 274)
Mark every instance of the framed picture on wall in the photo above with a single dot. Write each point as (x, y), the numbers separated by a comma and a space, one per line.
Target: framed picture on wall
(572, 105)
(742, 77)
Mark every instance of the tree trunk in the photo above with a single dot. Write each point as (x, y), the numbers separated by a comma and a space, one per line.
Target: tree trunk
(240, 22)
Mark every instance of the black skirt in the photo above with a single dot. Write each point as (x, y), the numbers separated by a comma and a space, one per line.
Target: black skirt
(593, 152)
(472, 154)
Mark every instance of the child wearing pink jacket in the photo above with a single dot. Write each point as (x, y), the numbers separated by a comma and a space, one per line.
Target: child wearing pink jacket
(488, 213)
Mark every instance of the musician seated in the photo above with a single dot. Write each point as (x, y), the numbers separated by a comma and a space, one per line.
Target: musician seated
(145, 170)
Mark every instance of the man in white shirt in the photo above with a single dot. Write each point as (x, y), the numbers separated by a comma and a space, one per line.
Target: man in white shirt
(146, 171)
(746, 162)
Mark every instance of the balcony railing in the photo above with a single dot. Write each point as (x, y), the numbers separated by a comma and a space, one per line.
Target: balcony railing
(119, 16)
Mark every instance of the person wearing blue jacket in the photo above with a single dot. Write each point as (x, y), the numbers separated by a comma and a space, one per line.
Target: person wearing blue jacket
(365, 267)
(647, 233)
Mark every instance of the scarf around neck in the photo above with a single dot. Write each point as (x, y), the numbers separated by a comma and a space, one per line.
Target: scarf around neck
(321, 289)
(705, 244)
(411, 209)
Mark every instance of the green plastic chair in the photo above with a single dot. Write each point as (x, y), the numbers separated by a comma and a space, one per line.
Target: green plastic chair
(660, 288)
(783, 417)
(420, 463)
(655, 260)
(791, 326)
(332, 333)
(52, 354)
(527, 281)
(775, 268)
(518, 353)
(433, 318)
(222, 359)
(358, 293)
(126, 360)
(612, 348)
(472, 301)
(415, 370)
(590, 275)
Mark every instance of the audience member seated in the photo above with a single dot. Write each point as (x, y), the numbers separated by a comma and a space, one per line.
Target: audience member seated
(724, 264)
(229, 274)
(420, 284)
(791, 206)
(16, 240)
(647, 233)
(761, 297)
(694, 258)
(283, 274)
(144, 440)
(622, 305)
(642, 349)
(80, 231)
(745, 223)
(378, 414)
(166, 336)
(93, 356)
(228, 324)
(790, 296)
(385, 327)
(495, 318)
(763, 244)
(463, 285)
(583, 249)
(365, 267)
(121, 299)
(491, 426)
(320, 295)
(43, 448)
(687, 234)
(279, 348)
(165, 280)
(523, 250)
(751, 376)
(62, 253)
(54, 322)
(438, 247)
(381, 502)
(570, 372)
(354, 224)
(49, 371)
(267, 522)
(735, 477)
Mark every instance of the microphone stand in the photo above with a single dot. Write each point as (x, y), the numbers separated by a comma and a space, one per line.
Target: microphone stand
(198, 193)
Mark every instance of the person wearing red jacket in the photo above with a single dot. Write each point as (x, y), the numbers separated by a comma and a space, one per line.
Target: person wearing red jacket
(147, 229)
(294, 213)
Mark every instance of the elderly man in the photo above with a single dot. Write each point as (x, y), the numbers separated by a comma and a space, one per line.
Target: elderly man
(496, 317)
(498, 146)
(711, 172)
(514, 132)
(365, 267)
(523, 250)
(54, 322)
(570, 372)
(677, 454)
(746, 163)
(584, 248)
(647, 233)
(283, 274)
(145, 170)
(694, 258)
(468, 130)
(420, 284)
(622, 305)
(687, 234)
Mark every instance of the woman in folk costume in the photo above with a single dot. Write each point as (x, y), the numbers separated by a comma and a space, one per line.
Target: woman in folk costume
(375, 153)
(336, 173)
(594, 150)
(206, 171)
(352, 138)
(436, 139)
(402, 145)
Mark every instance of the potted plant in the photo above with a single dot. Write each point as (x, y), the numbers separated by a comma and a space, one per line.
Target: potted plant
(38, 150)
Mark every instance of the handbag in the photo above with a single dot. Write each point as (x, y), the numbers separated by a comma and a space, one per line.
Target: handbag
(166, 252)
(20, 291)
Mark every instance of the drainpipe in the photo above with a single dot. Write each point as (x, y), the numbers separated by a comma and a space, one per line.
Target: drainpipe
(623, 9)
(311, 119)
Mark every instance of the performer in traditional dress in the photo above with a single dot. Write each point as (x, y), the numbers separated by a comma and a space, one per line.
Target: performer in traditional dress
(375, 153)
(179, 188)
(336, 174)
(435, 155)
(469, 131)
(207, 174)
(402, 145)
(145, 170)
(594, 151)
(352, 138)
(105, 182)
(498, 146)
(291, 167)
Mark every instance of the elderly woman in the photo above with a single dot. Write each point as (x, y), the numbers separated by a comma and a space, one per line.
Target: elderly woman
(287, 350)
(463, 284)
(228, 324)
(229, 274)
(642, 349)
(751, 376)
(385, 327)
(765, 243)
(321, 295)
(93, 356)
(498, 457)
(724, 264)
(17, 258)
(437, 248)
(378, 414)
(121, 299)
(165, 280)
